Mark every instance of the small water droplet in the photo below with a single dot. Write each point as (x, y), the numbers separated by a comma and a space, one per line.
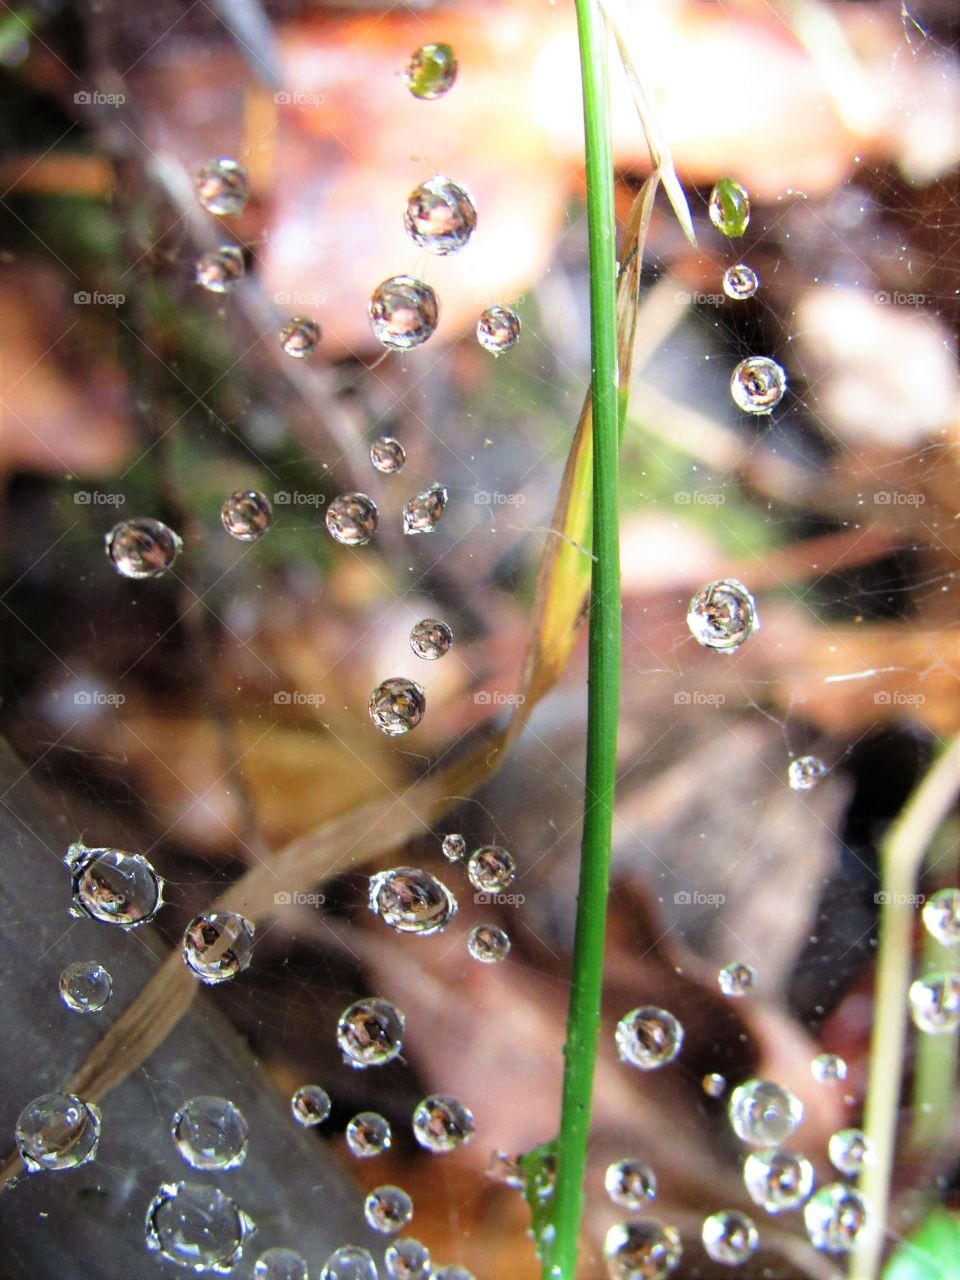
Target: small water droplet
(142, 548)
(221, 269)
(388, 455)
(722, 615)
(368, 1135)
(387, 1209)
(431, 71)
(737, 979)
(714, 1085)
(352, 519)
(805, 772)
(196, 1226)
(453, 1272)
(431, 639)
(57, 1131)
(506, 1170)
(488, 943)
(935, 1003)
(222, 186)
(454, 847)
(403, 313)
(835, 1217)
(370, 1032)
(850, 1151)
(740, 282)
(440, 216)
(210, 1133)
(407, 1259)
(247, 515)
(941, 916)
(729, 207)
(422, 513)
(411, 900)
(777, 1180)
(280, 1264)
(112, 886)
(442, 1123)
(757, 384)
(649, 1038)
(310, 1105)
(764, 1113)
(219, 945)
(498, 330)
(828, 1068)
(643, 1250)
(85, 986)
(349, 1263)
(729, 1237)
(300, 337)
(491, 869)
(630, 1184)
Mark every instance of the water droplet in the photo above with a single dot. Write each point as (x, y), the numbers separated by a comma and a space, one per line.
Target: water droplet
(430, 71)
(722, 615)
(835, 1217)
(142, 548)
(112, 886)
(349, 1263)
(777, 1180)
(422, 513)
(222, 186)
(210, 1133)
(714, 1085)
(221, 269)
(300, 337)
(280, 1264)
(488, 943)
(411, 901)
(368, 1135)
(247, 515)
(352, 519)
(397, 705)
(370, 1032)
(491, 869)
(219, 945)
(310, 1105)
(506, 1170)
(649, 1038)
(643, 1250)
(757, 384)
(498, 330)
(737, 979)
(764, 1113)
(403, 313)
(453, 1272)
(850, 1151)
(196, 1226)
(740, 282)
(85, 986)
(630, 1184)
(935, 1003)
(442, 1123)
(407, 1259)
(941, 916)
(431, 639)
(388, 455)
(805, 772)
(387, 1209)
(729, 207)
(440, 216)
(729, 1237)
(454, 847)
(57, 1131)
(827, 1068)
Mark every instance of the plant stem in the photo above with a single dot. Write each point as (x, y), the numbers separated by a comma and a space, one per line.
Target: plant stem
(583, 1018)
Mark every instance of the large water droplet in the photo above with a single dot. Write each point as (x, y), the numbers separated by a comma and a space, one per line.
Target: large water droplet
(221, 269)
(440, 216)
(431, 71)
(112, 886)
(388, 455)
(935, 1003)
(222, 186)
(310, 1105)
(411, 900)
(422, 513)
(488, 943)
(498, 330)
(805, 772)
(850, 1151)
(196, 1226)
(491, 869)
(757, 384)
(368, 1135)
(729, 1237)
(941, 916)
(431, 639)
(740, 282)
(442, 1123)
(219, 945)
(247, 515)
(370, 1032)
(403, 312)
(737, 979)
(349, 1263)
(729, 207)
(454, 847)
(407, 1259)
(210, 1133)
(280, 1264)
(630, 1184)
(649, 1038)
(142, 548)
(764, 1113)
(722, 615)
(397, 705)
(352, 519)
(777, 1180)
(387, 1209)
(300, 337)
(85, 986)
(828, 1068)
(57, 1131)
(835, 1218)
(643, 1250)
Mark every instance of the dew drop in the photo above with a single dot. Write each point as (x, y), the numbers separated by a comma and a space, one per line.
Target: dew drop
(835, 1217)
(722, 615)
(498, 330)
(828, 1068)
(442, 1123)
(222, 186)
(729, 1237)
(370, 1032)
(729, 207)
(941, 916)
(411, 900)
(280, 1264)
(219, 945)
(310, 1105)
(388, 455)
(506, 1170)
(397, 705)
(643, 1250)
(112, 886)
(407, 1259)
(648, 1038)
(488, 943)
(57, 1131)
(740, 282)
(221, 269)
(440, 216)
(764, 1113)
(85, 986)
(491, 869)
(714, 1085)
(300, 337)
(247, 515)
(777, 1180)
(403, 313)
(210, 1133)
(850, 1151)
(454, 847)
(142, 548)
(431, 71)
(935, 1003)
(387, 1209)
(431, 639)
(805, 772)
(368, 1135)
(630, 1184)
(422, 513)
(737, 979)
(349, 1263)
(352, 519)
(757, 384)
(196, 1226)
